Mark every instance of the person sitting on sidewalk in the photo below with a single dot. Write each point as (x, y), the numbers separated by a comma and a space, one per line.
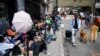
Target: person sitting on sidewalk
(15, 38)
(6, 48)
(49, 34)
(3, 45)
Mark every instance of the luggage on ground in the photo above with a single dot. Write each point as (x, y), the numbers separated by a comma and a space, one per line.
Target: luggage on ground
(68, 33)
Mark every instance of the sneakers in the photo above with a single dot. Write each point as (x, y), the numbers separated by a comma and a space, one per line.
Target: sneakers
(47, 53)
(74, 44)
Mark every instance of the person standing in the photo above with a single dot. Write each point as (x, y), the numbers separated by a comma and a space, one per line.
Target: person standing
(87, 21)
(76, 24)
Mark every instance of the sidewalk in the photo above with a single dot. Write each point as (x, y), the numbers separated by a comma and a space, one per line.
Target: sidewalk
(55, 48)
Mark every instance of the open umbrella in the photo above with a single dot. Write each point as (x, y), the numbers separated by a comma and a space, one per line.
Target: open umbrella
(22, 22)
(4, 25)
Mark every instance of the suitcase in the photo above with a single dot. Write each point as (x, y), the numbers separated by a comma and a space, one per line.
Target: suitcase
(68, 33)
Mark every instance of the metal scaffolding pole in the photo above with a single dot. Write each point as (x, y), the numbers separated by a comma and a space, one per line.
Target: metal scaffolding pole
(94, 8)
(56, 6)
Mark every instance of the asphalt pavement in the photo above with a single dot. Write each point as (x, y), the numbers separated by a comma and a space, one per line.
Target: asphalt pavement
(81, 49)
(63, 46)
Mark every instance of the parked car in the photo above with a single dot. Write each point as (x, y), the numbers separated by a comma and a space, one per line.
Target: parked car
(97, 21)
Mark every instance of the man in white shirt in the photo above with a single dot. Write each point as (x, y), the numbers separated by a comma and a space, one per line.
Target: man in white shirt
(4, 46)
(76, 25)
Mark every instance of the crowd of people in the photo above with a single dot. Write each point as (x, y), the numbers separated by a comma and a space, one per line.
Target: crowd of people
(42, 33)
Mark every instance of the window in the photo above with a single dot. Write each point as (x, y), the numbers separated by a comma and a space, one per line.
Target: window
(2, 9)
(97, 0)
(97, 11)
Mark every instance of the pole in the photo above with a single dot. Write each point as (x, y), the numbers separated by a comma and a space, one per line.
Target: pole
(27, 38)
(45, 36)
(94, 9)
(56, 6)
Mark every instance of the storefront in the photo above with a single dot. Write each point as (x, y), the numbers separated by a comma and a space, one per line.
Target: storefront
(86, 9)
(36, 8)
(9, 7)
(97, 8)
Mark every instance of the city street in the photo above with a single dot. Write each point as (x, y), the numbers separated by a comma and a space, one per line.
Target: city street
(55, 48)
(81, 49)
(38, 27)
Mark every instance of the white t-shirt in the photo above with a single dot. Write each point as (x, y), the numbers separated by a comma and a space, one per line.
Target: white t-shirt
(5, 46)
(51, 31)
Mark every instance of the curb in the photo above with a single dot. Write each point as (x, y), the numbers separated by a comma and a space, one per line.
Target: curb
(61, 42)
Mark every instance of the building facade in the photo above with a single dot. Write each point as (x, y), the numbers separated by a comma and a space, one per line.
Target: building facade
(85, 4)
(36, 8)
(2, 9)
(51, 5)
(97, 7)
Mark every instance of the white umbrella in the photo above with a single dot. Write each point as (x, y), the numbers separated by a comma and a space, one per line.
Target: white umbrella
(22, 22)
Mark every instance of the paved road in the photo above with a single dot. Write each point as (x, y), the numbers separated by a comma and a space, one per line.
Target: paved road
(81, 49)
(63, 47)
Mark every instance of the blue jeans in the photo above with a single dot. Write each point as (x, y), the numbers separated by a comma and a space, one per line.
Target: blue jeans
(20, 37)
(55, 26)
(49, 38)
(36, 48)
